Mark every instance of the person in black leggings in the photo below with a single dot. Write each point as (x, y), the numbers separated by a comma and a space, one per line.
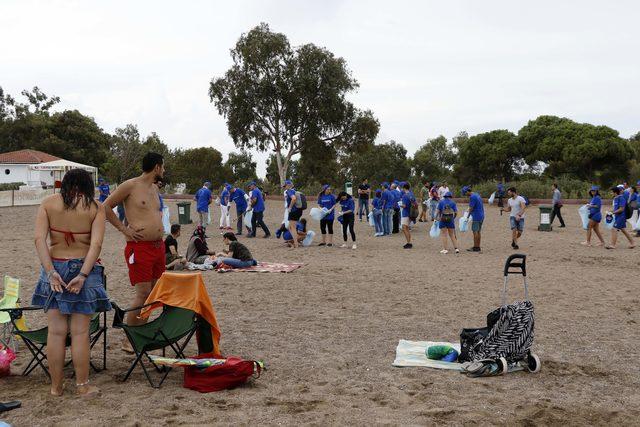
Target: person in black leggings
(347, 217)
(328, 201)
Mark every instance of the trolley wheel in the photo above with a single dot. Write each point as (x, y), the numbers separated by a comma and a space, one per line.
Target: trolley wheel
(533, 363)
(503, 366)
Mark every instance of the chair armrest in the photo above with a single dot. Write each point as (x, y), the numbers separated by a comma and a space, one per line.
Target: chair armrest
(118, 317)
(30, 308)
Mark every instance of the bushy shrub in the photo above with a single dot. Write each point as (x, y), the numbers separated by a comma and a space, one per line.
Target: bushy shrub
(541, 188)
(11, 186)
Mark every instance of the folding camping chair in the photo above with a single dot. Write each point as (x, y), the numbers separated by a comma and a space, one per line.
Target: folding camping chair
(36, 340)
(10, 299)
(167, 330)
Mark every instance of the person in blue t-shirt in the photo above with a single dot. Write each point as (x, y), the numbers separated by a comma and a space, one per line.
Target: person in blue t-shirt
(476, 212)
(620, 218)
(406, 201)
(327, 200)
(446, 213)
(294, 212)
(347, 217)
(239, 198)
(225, 216)
(500, 193)
(396, 191)
(203, 200)
(301, 233)
(387, 209)
(103, 189)
(257, 205)
(595, 216)
(378, 206)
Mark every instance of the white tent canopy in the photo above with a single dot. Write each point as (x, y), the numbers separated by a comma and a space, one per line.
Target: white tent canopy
(60, 167)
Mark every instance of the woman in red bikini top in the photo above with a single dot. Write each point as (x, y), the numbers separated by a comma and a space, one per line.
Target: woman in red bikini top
(71, 287)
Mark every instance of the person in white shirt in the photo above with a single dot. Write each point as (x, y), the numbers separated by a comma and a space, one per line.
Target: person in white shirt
(517, 207)
(444, 189)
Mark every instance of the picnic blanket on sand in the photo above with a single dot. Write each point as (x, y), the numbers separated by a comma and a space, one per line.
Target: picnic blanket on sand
(265, 267)
(413, 353)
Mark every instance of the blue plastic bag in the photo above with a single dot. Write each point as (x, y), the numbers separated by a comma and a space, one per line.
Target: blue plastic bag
(435, 230)
(463, 223)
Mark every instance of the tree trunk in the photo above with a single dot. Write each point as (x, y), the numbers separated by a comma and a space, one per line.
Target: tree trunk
(282, 168)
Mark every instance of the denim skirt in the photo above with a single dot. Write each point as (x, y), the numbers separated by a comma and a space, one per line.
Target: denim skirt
(91, 299)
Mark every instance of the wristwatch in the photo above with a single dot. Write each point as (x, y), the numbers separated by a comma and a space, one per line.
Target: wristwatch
(81, 274)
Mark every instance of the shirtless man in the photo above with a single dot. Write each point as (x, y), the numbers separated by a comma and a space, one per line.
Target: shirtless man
(144, 252)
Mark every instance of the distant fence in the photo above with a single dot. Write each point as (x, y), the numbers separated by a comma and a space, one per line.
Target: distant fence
(23, 197)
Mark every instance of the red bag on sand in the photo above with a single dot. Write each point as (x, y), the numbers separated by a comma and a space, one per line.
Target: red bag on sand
(232, 373)
(6, 357)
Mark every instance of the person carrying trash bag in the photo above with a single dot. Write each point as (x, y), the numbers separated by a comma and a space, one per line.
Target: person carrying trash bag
(327, 201)
(446, 217)
(507, 339)
(476, 212)
(594, 216)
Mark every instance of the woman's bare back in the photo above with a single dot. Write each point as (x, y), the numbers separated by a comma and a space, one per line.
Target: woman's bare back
(73, 236)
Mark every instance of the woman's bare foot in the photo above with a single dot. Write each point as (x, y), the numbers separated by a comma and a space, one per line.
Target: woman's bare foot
(632, 246)
(57, 391)
(609, 247)
(586, 244)
(600, 244)
(87, 391)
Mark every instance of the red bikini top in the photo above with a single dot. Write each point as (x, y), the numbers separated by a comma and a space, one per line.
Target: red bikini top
(68, 235)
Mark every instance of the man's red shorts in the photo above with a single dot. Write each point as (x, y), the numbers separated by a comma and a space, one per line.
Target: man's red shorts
(145, 261)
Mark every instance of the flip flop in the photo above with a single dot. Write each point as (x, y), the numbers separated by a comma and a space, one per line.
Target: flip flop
(8, 406)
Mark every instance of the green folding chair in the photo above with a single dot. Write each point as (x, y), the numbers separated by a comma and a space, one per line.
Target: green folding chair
(36, 340)
(10, 300)
(172, 329)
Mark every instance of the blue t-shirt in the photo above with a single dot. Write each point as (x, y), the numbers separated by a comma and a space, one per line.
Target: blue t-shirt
(224, 197)
(104, 192)
(406, 204)
(327, 201)
(348, 205)
(290, 193)
(240, 201)
(397, 196)
(287, 234)
(620, 202)
(387, 198)
(475, 207)
(447, 201)
(203, 196)
(377, 203)
(594, 211)
(257, 194)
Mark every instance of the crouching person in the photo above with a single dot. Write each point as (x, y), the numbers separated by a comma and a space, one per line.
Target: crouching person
(237, 255)
(198, 250)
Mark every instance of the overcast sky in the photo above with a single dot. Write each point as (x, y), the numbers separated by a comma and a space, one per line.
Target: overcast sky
(425, 68)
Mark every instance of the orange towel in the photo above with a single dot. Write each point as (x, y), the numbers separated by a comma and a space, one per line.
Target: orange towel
(185, 291)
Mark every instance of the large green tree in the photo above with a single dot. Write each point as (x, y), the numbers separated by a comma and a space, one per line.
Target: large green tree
(434, 159)
(240, 167)
(582, 150)
(487, 156)
(279, 98)
(126, 154)
(196, 165)
(380, 162)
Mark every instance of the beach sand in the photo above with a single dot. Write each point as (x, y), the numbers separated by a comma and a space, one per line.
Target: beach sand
(328, 333)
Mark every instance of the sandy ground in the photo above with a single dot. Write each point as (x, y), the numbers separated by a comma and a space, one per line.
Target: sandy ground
(328, 334)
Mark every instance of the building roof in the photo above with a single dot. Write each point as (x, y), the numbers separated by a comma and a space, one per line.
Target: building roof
(26, 157)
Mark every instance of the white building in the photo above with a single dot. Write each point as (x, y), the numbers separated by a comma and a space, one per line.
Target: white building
(36, 168)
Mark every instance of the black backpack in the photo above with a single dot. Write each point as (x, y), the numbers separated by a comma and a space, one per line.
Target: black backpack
(301, 201)
(447, 214)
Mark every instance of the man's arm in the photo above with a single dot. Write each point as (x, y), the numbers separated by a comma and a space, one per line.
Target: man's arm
(117, 197)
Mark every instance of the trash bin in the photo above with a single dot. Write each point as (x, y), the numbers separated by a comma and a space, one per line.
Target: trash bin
(545, 218)
(184, 213)
(348, 188)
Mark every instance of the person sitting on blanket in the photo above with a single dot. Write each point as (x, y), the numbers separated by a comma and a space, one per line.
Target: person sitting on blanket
(237, 255)
(197, 250)
(173, 261)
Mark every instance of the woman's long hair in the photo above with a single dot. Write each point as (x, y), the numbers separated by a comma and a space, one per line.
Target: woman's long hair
(77, 186)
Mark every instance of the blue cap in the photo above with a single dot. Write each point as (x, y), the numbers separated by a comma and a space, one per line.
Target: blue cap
(227, 186)
(466, 189)
(252, 183)
(595, 188)
(395, 181)
(324, 187)
(288, 182)
(378, 191)
(385, 185)
(638, 183)
(448, 194)
(207, 183)
(100, 179)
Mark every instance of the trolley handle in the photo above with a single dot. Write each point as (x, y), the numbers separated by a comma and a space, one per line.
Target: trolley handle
(516, 264)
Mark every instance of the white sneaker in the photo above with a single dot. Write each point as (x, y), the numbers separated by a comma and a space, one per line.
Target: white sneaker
(344, 245)
(444, 251)
(354, 246)
(457, 250)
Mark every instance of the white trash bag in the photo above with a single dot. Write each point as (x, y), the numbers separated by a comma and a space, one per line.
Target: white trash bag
(247, 219)
(608, 221)
(371, 220)
(308, 240)
(584, 216)
(317, 213)
(166, 220)
(435, 230)
(463, 223)
(492, 198)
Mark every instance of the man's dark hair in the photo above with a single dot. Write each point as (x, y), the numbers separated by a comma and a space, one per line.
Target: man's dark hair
(616, 190)
(151, 160)
(512, 189)
(175, 228)
(230, 236)
(555, 185)
(406, 186)
(77, 185)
